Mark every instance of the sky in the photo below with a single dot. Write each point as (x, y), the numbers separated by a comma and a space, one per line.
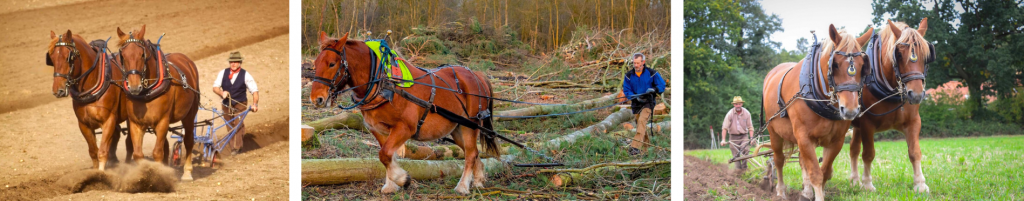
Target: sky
(799, 17)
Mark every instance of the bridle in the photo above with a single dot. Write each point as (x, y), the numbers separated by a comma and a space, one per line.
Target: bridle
(333, 82)
(73, 55)
(851, 71)
(145, 60)
(903, 78)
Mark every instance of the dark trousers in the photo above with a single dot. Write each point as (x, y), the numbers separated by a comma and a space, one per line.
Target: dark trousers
(235, 142)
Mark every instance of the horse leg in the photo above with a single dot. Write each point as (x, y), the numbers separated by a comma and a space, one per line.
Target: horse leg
(780, 161)
(190, 141)
(913, 132)
(136, 132)
(108, 145)
(129, 147)
(160, 151)
(809, 163)
(396, 176)
(830, 152)
(867, 137)
(466, 139)
(855, 144)
(90, 140)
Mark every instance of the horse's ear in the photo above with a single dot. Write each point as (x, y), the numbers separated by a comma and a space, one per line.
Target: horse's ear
(344, 38)
(52, 35)
(120, 34)
(323, 37)
(923, 26)
(67, 36)
(833, 34)
(863, 39)
(141, 33)
(896, 32)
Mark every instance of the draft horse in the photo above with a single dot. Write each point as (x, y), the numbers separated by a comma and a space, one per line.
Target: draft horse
(80, 71)
(395, 115)
(826, 89)
(899, 56)
(161, 89)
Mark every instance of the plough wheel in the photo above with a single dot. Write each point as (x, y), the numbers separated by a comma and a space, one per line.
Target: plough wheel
(176, 155)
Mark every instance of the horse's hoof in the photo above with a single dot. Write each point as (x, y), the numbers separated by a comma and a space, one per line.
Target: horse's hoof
(186, 177)
(462, 189)
(389, 187)
(807, 194)
(921, 188)
(478, 184)
(408, 182)
(868, 186)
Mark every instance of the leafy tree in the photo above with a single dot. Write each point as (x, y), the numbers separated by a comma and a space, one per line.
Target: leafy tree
(980, 46)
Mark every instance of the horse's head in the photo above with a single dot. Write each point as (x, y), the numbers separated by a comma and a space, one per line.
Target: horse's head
(910, 53)
(331, 70)
(846, 64)
(65, 58)
(135, 53)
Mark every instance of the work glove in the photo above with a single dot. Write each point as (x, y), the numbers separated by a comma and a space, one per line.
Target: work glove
(651, 90)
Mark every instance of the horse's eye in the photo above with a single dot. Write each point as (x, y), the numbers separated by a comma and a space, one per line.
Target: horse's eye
(331, 65)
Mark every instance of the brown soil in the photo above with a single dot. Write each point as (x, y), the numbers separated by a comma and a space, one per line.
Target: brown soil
(703, 177)
(42, 143)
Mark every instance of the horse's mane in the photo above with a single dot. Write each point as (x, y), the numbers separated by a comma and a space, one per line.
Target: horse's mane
(848, 44)
(911, 36)
(53, 42)
(334, 41)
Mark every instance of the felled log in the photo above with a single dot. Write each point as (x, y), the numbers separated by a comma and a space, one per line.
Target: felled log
(345, 170)
(598, 128)
(565, 177)
(548, 109)
(341, 121)
(442, 152)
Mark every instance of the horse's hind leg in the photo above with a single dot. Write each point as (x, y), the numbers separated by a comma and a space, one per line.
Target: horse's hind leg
(867, 137)
(129, 147)
(396, 176)
(188, 124)
(855, 145)
(90, 139)
(466, 138)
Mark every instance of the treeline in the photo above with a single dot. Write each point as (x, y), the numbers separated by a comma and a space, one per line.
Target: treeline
(543, 25)
(728, 52)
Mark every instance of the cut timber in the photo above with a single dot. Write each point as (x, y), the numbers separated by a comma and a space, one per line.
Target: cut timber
(307, 132)
(598, 128)
(442, 152)
(345, 170)
(565, 177)
(548, 109)
(345, 120)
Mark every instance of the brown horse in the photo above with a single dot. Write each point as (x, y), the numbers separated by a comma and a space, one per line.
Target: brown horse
(76, 72)
(804, 127)
(348, 63)
(161, 90)
(900, 59)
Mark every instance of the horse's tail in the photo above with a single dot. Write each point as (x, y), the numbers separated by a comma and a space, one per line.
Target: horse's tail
(489, 142)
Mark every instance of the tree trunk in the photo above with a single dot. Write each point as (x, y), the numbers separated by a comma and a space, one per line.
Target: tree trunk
(345, 170)
(611, 121)
(565, 177)
(340, 121)
(548, 109)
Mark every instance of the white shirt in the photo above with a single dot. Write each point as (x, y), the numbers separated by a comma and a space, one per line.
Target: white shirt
(249, 82)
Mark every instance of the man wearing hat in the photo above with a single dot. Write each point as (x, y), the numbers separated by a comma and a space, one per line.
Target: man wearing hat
(740, 128)
(641, 85)
(230, 85)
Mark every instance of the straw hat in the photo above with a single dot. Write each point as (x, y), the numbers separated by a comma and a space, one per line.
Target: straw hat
(235, 56)
(737, 99)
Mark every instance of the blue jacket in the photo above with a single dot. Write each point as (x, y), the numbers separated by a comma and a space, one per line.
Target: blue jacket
(633, 85)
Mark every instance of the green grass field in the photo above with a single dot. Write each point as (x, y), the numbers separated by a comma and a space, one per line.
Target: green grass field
(986, 168)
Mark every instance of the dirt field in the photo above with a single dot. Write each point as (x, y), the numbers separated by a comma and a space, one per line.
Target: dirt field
(709, 181)
(41, 141)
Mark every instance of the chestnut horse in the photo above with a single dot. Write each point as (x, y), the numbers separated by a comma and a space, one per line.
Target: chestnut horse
(899, 56)
(393, 121)
(79, 73)
(804, 127)
(161, 90)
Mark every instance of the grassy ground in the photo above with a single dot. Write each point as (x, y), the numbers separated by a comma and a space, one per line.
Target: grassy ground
(987, 168)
